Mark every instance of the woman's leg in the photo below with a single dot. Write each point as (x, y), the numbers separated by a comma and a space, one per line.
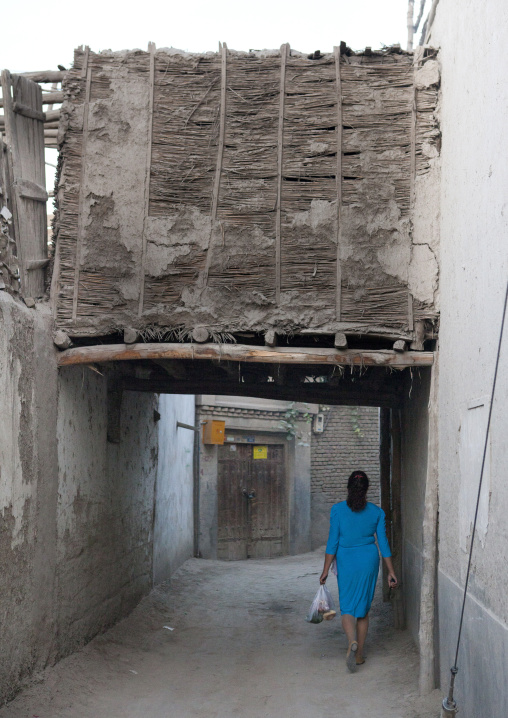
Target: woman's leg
(348, 624)
(362, 626)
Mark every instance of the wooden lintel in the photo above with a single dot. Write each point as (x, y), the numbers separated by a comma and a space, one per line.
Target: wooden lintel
(308, 392)
(244, 353)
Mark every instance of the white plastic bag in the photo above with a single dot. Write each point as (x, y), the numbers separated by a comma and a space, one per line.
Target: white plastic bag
(322, 608)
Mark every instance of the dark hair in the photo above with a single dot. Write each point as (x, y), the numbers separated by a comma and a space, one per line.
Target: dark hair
(357, 486)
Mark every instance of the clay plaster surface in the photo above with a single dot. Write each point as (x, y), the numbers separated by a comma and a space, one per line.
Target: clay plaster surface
(474, 268)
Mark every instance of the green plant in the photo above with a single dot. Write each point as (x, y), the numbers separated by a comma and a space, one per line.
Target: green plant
(291, 417)
(355, 422)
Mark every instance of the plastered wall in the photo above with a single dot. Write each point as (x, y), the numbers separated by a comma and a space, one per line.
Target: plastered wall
(474, 271)
(28, 492)
(414, 449)
(174, 516)
(77, 546)
(105, 505)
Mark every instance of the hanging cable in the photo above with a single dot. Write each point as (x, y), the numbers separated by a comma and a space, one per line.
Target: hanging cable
(449, 704)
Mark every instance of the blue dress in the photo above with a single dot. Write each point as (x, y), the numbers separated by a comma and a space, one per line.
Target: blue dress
(351, 539)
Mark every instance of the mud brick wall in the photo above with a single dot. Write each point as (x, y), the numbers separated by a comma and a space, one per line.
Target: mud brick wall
(349, 441)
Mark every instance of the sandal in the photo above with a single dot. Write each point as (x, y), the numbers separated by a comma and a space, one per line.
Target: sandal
(351, 656)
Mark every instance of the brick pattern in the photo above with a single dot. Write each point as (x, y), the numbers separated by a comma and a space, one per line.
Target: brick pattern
(349, 441)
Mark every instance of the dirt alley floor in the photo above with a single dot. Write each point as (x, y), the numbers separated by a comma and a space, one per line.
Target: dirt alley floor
(240, 647)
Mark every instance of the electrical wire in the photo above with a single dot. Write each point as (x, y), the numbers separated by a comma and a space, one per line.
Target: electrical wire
(449, 703)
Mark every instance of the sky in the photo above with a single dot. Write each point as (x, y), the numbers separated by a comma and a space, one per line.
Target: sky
(44, 34)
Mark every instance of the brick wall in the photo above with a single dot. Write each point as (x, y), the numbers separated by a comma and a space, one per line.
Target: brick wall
(349, 441)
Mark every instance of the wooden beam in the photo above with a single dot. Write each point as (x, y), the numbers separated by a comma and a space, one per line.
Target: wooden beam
(48, 98)
(338, 179)
(148, 160)
(220, 156)
(384, 478)
(46, 75)
(309, 392)
(245, 353)
(31, 190)
(284, 52)
(412, 165)
(222, 131)
(399, 620)
(26, 111)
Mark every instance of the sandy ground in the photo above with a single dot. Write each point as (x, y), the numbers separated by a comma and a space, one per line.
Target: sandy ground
(240, 647)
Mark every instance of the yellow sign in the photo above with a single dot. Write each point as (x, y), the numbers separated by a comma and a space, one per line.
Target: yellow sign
(260, 452)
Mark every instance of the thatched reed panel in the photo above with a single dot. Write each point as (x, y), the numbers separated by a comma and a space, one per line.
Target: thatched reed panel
(184, 132)
(215, 137)
(376, 112)
(309, 170)
(386, 306)
(248, 187)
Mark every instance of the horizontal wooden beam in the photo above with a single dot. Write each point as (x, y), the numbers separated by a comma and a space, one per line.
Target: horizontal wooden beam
(314, 393)
(244, 353)
(46, 75)
(48, 98)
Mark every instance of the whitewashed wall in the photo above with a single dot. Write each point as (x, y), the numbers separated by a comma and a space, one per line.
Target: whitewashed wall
(473, 38)
(174, 515)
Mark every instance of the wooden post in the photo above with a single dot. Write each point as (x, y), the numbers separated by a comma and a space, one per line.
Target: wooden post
(338, 179)
(384, 475)
(284, 52)
(220, 155)
(397, 594)
(412, 163)
(410, 24)
(151, 80)
(86, 72)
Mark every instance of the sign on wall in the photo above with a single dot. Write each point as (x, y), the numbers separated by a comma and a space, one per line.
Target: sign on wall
(260, 452)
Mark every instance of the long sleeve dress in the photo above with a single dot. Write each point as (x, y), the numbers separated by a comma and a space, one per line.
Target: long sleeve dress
(351, 539)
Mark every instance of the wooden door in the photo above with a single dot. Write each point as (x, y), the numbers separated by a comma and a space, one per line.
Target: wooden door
(252, 503)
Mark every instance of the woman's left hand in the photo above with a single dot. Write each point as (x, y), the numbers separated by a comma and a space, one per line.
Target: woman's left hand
(392, 580)
(323, 577)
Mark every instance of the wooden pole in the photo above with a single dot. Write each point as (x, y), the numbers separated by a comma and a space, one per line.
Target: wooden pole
(284, 52)
(384, 475)
(244, 353)
(338, 179)
(399, 620)
(144, 239)
(220, 155)
(86, 73)
(410, 24)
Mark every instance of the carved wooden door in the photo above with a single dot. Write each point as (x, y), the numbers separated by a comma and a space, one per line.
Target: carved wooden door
(252, 503)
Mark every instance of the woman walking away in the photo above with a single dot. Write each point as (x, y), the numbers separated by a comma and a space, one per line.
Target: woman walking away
(353, 525)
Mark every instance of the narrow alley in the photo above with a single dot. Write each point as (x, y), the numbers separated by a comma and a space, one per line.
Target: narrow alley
(239, 646)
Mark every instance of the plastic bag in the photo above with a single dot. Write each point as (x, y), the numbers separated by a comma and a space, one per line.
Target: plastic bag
(322, 608)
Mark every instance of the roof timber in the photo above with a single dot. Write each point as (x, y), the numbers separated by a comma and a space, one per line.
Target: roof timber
(244, 353)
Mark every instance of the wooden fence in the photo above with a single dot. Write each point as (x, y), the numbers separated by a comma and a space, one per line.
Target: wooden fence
(28, 130)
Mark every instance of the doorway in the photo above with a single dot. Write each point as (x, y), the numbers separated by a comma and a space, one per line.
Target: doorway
(252, 501)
